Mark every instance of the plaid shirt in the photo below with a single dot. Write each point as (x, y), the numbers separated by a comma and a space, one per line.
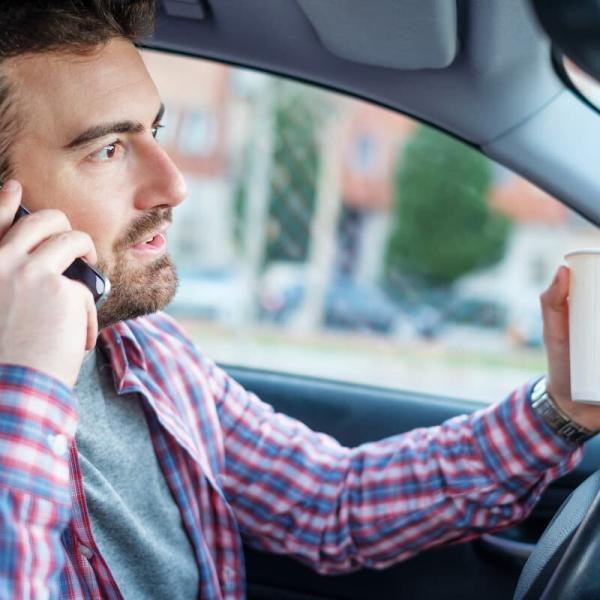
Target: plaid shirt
(238, 470)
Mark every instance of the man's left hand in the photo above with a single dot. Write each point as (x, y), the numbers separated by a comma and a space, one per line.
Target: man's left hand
(555, 314)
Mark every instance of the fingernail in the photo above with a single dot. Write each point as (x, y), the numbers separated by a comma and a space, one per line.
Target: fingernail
(10, 186)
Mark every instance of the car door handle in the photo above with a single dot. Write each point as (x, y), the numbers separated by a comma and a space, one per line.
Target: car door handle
(516, 551)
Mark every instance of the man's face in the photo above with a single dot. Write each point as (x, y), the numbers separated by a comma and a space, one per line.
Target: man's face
(86, 147)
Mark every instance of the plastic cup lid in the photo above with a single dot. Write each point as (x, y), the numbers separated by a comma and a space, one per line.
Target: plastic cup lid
(582, 251)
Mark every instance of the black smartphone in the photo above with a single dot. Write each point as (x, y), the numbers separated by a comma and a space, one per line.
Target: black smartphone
(79, 270)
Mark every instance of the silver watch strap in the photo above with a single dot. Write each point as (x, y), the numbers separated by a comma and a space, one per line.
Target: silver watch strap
(545, 406)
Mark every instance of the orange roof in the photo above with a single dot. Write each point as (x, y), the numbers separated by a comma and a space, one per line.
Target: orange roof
(372, 188)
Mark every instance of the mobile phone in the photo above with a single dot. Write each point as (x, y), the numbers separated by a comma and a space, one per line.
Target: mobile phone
(79, 270)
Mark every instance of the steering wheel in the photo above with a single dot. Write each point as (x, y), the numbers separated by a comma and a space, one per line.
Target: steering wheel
(565, 562)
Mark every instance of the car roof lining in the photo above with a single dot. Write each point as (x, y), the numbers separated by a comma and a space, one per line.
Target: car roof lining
(498, 66)
(500, 79)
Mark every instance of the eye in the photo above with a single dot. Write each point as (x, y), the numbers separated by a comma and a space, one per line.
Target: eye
(107, 152)
(156, 128)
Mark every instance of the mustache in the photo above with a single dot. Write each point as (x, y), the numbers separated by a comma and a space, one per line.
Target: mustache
(145, 225)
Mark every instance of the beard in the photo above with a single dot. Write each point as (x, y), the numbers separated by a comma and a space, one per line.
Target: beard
(137, 289)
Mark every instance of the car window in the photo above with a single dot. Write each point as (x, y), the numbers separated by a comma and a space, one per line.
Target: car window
(327, 236)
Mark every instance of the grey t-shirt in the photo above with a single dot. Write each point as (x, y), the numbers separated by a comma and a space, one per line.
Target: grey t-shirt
(135, 520)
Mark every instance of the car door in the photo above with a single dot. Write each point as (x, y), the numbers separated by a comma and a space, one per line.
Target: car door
(435, 257)
(488, 567)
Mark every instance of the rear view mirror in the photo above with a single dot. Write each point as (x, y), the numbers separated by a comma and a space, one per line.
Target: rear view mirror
(574, 28)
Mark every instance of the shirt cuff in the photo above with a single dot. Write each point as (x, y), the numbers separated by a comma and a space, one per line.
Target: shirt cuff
(37, 425)
(518, 446)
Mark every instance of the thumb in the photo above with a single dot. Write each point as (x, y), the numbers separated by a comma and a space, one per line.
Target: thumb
(555, 315)
(555, 308)
(92, 320)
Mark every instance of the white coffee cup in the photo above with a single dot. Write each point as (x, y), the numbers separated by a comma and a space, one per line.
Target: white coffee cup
(584, 324)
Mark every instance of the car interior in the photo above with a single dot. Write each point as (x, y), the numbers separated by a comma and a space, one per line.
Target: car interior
(487, 74)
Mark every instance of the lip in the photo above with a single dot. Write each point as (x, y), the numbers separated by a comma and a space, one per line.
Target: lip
(158, 244)
(162, 229)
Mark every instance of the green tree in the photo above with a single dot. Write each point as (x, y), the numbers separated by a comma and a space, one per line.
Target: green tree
(443, 227)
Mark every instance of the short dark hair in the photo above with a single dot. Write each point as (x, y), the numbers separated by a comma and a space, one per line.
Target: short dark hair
(35, 26)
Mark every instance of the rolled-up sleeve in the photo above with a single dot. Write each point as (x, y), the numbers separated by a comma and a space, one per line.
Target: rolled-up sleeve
(37, 425)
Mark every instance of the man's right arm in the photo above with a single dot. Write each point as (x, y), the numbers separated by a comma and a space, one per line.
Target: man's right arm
(37, 425)
(47, 322)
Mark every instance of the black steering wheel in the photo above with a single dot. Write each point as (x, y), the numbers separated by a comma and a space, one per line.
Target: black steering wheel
(565, 564)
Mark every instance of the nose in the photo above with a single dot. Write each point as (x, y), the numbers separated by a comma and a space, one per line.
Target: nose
(162, 183)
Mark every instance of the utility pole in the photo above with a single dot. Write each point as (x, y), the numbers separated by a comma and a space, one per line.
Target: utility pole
(323, 235)
(256, 212)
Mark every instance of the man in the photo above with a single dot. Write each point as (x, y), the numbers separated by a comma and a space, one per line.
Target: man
(135, 469)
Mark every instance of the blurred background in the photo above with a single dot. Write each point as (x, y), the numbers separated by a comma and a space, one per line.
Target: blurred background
(325, 236)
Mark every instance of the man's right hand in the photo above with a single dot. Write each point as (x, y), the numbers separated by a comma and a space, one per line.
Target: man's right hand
(47, 321)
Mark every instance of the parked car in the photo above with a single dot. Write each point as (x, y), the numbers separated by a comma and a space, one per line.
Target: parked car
(211, 294)
(351, 306)
(346, 304)
(478, 312)
(427, 321)
(282, 292)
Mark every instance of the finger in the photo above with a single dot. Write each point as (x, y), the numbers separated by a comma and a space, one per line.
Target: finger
(555, 306)
(89, 312)
(92, 319)
(30, 231)
(60, 250)
(10, 198)
(558, 290)
(555, 314)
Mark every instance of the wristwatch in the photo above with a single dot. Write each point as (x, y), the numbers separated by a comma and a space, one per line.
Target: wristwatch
(545, 406)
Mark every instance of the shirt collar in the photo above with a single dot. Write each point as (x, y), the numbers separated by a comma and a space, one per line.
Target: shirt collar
(124, 349)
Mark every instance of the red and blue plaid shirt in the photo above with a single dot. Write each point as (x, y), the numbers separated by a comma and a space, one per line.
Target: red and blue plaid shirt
(239, 470)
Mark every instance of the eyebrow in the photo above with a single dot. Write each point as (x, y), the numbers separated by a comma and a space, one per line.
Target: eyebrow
(98, 131)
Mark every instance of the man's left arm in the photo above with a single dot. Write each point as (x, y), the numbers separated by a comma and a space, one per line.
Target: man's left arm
(301, 493)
